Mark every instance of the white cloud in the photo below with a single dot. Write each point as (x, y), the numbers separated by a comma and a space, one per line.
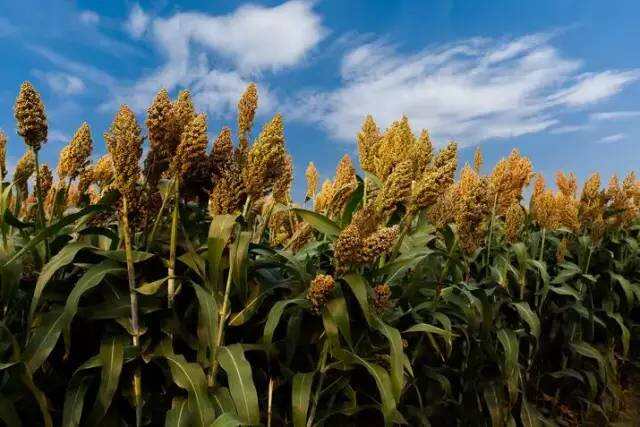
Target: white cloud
(472, 90)
(569, 129)
(594, 87)
(55, 135)
(89, 17)
(217, 56)
(614, 115)
(613, 138)
(61, 83)
(138, 21)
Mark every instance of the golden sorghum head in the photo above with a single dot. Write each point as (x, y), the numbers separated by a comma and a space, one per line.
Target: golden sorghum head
(508, 179)
(30, 116)
(3, 155)
(221, 153)
(102, 171)
(622, 200)
(85, 180)
(302, 235)
(591, 202)
(567, 184)
(320, 290)
(567, 209)
(124, 143)
(380, 243)
(46, 179)
(183, 111)
(421, 153)
(368, 140)
(344, 184)
(478, 160)
(279, 228)
(311, 174)
(161, 123)
(396, 188)
(266, 158)
(74, 156)
(471, 208)
(543, 205)
(247, 107)
(228, 194)
(447, 162)
(562, 250)
(382, 297)
(24, 169)
(427, 189)
(514, 218)
(192, 147)
(282, 185)
(324, 197)
(394, 147)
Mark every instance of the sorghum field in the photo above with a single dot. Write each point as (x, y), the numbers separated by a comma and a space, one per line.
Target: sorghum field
(187, 287)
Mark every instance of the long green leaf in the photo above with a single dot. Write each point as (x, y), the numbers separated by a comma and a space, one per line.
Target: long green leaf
(359, 287)
(207, 318)
(227, 420)
(273, 318)
(530, 317)
(300, 396)
(241, 384)
(179, 414)
(74, 401)
(509, 341)
(219, 233)
(43, 340)
(112, 355)
(320, 222)
(397, 357)
(240, 262)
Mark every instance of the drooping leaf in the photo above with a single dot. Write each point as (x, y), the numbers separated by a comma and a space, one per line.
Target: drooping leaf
(273, 318)
(530, 317)
(112, 355)
(219, 233)
(320, 222)
(396, 355)
(74, 401)
(207, 318)
(43, 340)
(241, 384)
(300, 397)
(179, 414)
(509, 341)
(359, 286)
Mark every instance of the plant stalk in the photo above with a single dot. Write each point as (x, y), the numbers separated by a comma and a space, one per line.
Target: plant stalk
(40, 205)
(171, 288)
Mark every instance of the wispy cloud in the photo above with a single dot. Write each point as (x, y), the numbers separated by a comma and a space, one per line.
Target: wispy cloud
(6, 27)
(89, 17)
(613, 138)
(216, 56)
(472, 90)
(560, 130)
(137, 22)
(56, 135)
(61, 83)
(614, 115)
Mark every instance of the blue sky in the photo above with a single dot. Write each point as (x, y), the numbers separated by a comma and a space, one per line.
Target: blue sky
(560, 80)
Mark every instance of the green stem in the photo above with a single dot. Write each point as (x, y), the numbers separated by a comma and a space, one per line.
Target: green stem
(316, 396)
(40, 205)
(493, 216)
(171, 289)
(131, 275)
(149, 240)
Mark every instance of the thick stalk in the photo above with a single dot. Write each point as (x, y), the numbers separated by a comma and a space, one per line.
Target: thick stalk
(135, 327)
(171, 289)
(221, 326)
(537, 296)
(493, 218)
(40, 206)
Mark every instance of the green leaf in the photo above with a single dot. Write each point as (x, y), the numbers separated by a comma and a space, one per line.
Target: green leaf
(240, 262)
(43, 341)
(121, 256)
(74, 401)
(626, 286)
(219, 233)
(320, 222)
(430, 329)
(207, 319)
(529, 415)
(190, 377)
(240, 380)
(151, 288)
(587, 350)
(273, 318)
(397, 357)
(61, 259)
(223, 402)
(626, 335)
(565, 290)
(39, 396)
(300, 396)
(112, 355)
(179, 414)
(89, 280)
(337, 309)
(509, 341)
(359, 286)
(530, 317)
(227, 420)
(8, 413)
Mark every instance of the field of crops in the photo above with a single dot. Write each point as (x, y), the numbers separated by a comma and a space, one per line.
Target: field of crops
(188, 288)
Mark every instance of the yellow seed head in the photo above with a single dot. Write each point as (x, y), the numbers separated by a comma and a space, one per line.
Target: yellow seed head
(124, 143)
(514, 219)
(382, 297)
(85, 180)
(46, 179)
(192, 147)
(478, 160)
(221, 153)
(311, 174)
(282, 185)
(228, 194)
(30, 116)
(3, 155)
(344, 184)
(422, 153)
(562, 250)
(183, 111)
(102, 171)
(24, 169)
(508, 179)
(266, 159)
(592, 202)
(324, 197)
(471, 208)
(73, 157)
(247, 107)
(447, 162)
(393, 148)
(396, 189)
(161, 122)
(320, 290)
(567, 184)
(368, 140)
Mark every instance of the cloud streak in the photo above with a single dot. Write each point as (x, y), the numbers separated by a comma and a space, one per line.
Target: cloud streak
(473, 90)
